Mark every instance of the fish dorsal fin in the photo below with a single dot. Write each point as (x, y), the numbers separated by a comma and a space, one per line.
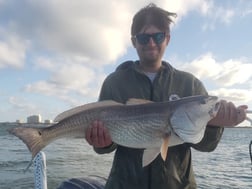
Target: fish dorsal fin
(84, 107)
(136, 101)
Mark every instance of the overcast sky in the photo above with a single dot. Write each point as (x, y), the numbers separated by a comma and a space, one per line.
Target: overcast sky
(55, 54)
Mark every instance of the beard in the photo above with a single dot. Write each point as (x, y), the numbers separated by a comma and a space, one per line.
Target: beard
(150, 55)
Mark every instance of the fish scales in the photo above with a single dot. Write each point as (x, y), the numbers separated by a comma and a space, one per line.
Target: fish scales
(124, 124)
(150, 122)
(127, 133)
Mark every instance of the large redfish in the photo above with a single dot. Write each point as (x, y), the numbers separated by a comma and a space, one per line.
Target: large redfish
(137, 124)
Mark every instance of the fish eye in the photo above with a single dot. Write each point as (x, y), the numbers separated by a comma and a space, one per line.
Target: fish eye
(173, 97)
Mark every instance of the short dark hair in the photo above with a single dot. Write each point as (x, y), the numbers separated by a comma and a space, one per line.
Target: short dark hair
(152, 15)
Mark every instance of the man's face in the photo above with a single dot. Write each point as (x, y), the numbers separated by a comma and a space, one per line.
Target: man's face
(153, 48)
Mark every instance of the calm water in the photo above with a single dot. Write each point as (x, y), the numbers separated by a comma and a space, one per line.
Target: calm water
(228, 167)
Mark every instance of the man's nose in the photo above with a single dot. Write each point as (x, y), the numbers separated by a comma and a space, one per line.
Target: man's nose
(151, 42)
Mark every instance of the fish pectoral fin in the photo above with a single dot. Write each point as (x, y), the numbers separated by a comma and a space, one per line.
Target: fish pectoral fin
(136, 101)
(164, 147)
(149, 155)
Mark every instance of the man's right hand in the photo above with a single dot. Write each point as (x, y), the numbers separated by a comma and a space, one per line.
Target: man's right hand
(97, 135)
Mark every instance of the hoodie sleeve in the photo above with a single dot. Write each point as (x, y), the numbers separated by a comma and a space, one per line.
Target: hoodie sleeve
(210, 140)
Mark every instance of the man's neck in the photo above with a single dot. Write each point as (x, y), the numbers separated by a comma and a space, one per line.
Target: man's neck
(151, 67)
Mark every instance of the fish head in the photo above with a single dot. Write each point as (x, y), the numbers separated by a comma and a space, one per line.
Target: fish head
(202, 107)
(191, 116)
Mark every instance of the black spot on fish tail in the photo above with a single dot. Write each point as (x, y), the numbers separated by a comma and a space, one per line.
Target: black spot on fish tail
(32, 137)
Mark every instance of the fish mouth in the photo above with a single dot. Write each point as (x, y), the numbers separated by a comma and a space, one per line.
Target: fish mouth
(211, 99)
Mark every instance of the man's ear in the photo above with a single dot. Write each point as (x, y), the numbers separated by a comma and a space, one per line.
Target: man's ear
(133, 40)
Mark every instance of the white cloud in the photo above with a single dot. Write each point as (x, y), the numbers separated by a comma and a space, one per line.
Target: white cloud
(79, 29)
(234, 72)
(12, 51)
(183, 7)
(67, 79)
(205, 66)
(240, 96)
(247, 13)
(86, 30)
(233, 76)
(226, 73)
(21, 104)
(214, 13)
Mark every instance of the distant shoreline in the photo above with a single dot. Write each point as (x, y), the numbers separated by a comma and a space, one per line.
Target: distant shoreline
(25, 124)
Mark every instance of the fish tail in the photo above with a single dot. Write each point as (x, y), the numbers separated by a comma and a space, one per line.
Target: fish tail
(32, 137)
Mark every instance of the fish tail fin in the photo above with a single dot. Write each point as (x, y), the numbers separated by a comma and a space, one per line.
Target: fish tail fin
(32, 137)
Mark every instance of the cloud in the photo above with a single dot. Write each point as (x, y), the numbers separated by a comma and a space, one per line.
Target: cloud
(229, 80)
(79, 29)
(67, 80)
(226, 73)
(205, 66)
(76, 29)
(21, 104)
(234, 72)
(183, 7)
(247, 12)
(207, 8)
(12, 50)
(234, 95)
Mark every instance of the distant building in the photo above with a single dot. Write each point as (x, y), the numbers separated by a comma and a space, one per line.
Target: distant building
(19, 121)
(48, 121)
(34, 119)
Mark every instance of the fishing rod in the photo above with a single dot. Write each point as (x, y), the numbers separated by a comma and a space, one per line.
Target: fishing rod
(250, 152)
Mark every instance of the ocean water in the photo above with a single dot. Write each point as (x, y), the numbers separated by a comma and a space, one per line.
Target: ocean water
(228, 167)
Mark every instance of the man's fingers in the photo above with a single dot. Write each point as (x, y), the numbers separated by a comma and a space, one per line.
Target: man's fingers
(107, 137)
(229, 114)
(94, 134)
(97, 135)
(100, 133)
(91, 133)
(88, 135)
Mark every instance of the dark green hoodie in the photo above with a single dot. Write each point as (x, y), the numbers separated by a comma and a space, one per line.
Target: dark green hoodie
(128, 81)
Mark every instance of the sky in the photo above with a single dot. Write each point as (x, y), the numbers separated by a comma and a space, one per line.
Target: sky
(54, 55)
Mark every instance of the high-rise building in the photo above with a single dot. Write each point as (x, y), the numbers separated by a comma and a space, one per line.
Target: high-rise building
(34, 119)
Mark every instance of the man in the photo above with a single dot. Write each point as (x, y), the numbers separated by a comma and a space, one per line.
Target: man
(153, 79)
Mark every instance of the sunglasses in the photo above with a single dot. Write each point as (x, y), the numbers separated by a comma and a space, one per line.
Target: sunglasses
(144, 38)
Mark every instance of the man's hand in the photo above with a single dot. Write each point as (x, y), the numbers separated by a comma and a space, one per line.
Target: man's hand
(97, 135)
(229, 115)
